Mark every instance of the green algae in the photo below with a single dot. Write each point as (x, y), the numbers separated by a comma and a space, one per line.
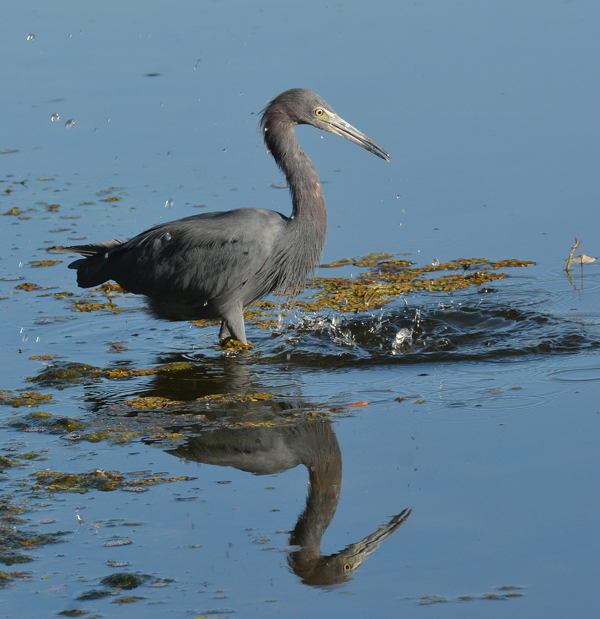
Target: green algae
(8, 577)
(121, 581)
(24, 398)
(125, 580)
(13, 543)
(99, 479)
(63, 374)
(45, 422)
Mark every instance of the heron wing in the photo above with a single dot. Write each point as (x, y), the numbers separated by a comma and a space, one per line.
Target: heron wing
(201, 257)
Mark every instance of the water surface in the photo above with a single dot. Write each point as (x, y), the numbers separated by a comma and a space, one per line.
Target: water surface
(455, 473)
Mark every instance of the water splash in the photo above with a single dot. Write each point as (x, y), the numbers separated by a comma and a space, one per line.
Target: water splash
(475, 331)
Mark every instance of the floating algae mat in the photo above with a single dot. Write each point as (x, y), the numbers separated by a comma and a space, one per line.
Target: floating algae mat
(387, 279)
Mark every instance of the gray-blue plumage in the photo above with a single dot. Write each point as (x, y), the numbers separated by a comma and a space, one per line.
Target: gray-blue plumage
(214, 264)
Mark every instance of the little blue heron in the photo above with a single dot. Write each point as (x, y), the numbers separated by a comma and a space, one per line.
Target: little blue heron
(214, 265)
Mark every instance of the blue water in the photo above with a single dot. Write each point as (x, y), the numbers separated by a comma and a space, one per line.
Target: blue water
(490, 115)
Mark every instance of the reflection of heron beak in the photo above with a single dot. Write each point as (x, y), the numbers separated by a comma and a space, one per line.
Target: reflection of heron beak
(355, 554)
(340, 127)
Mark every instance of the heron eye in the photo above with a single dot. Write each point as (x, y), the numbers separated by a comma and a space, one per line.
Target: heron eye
(319, 111)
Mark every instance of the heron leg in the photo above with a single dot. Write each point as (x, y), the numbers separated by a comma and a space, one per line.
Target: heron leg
(224, 332)
(233, 326)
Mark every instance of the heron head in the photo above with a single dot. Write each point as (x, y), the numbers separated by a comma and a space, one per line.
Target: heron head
(304, 107)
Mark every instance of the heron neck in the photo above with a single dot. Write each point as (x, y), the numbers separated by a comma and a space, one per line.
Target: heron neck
(305, 187)
(324, 464)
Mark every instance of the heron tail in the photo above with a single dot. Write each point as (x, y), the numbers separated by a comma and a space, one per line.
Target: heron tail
(94, 268)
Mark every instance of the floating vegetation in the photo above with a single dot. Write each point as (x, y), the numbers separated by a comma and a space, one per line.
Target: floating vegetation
(228, 398)
(7, 577)
(29, 287)
(129, 599)
(129, 372)
(502, 593)
(105, 481)
(44, 263)
(117, 346)
(126, 580)
(12, 211)
(82, 306)
(152, 403)
(26, 398)
(14, 541)
(122, 581)
(45, 422)
(16, 460)
(366, 261)
(94, 594)
(62, 374)
(389, 279)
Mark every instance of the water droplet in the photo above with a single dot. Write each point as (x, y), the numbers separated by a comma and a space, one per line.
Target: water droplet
(69, 123)
(167, 237)
(169, 204)
(398, 197)
(30, 37)
(435, 263)
(224, 150)
(106, 255)
(54, 117)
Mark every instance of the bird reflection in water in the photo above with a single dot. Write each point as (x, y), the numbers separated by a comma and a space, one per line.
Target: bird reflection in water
(268, 451)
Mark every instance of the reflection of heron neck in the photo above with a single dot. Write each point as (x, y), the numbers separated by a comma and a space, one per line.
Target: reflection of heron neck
(325, 478)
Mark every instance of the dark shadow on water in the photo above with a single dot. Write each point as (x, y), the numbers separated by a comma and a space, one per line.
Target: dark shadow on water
(268, 451)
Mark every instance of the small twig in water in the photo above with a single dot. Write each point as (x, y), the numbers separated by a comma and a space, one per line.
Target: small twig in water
(577, 244)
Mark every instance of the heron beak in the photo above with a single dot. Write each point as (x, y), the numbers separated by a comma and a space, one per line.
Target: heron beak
(340, 127)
